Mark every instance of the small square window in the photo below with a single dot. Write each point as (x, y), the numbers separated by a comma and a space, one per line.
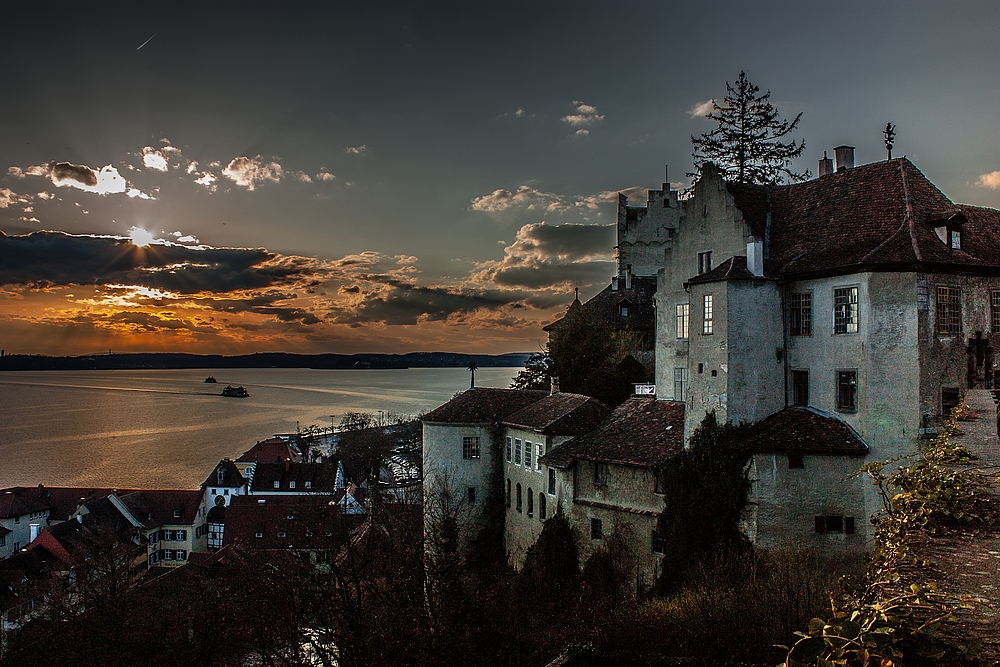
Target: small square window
(600, 474)
(282, 533)
(596, 529)
(471, 494)
(291, 484)
(177, 514)
(277, 484)
(259, 534)
(309, 484)
(796, 460)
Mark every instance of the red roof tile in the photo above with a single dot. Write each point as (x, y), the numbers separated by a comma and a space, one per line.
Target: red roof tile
(163, 506)
(560, 414)
(269, 451)
(286, 522)
(640, 432)
(483, 405)
(805, 431)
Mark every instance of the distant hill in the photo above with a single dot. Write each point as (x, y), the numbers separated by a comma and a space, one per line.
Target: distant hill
(25, 362)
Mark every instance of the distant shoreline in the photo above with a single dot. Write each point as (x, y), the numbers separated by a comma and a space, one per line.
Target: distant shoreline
(172, 360)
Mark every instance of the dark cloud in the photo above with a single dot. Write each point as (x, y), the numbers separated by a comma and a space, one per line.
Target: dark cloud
(67, 171)
(55, 258)
(545, 255)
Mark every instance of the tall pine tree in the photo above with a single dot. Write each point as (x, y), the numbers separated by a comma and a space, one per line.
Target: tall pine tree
(747, 144)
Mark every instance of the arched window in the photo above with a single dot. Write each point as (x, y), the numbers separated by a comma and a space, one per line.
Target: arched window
(531, 502)
(518, 498)
(541, 507)
(508, 492)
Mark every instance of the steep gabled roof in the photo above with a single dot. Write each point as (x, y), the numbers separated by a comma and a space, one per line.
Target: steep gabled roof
(605, 307)
(231, 477)
(805, 431)
(640, 432)
(879, 215)
(560, 414)
(483, 405)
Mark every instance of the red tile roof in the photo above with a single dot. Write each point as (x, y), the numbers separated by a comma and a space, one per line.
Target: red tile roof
(322, 477)
(879, 216)
(805, 431)
(483, 405)
(560, 414)
(19, 500)
(640, 432)
(269, 451)
(158, 507)
(316, 523)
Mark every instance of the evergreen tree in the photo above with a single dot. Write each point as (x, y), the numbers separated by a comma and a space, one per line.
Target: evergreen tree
(747, 146)
(535, 374)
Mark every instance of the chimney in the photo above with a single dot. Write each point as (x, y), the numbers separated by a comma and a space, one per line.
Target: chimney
(614, 284)
(554, 385)
(845, 157)
(755, 258)
(825, 165)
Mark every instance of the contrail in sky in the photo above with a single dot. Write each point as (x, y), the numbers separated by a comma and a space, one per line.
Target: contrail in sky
(147, 41)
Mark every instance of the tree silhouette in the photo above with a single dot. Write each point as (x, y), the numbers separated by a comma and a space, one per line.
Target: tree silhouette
(747, 146)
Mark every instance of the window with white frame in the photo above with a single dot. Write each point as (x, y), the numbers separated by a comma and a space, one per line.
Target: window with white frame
(707, 314)
(527, 455)
(470, 447)
(517, 451)
(683, 319)
(510, 449)
(845, 310)
(180, 554)
(539, 453)
(995, 310)
(168, 554)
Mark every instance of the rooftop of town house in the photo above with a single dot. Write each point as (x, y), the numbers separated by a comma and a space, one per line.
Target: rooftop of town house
(640, 432)
(734, 268)
(805, 431)
(560, 414)
(878, 216)
(605, 307)
(269, 451)
(286, 522)
(231, 477)
(162, 506)
(307, 477)
(20, 500)
(483, 405)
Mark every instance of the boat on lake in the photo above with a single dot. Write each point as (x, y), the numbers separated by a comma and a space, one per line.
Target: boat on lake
(210, 380)
(235, 392)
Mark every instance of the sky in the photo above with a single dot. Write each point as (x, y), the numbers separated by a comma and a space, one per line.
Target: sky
(379, 177)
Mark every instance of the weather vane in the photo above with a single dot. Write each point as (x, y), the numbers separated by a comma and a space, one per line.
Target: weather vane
(890, 133)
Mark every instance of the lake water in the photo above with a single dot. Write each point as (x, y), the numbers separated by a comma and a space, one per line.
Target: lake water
(168, 429)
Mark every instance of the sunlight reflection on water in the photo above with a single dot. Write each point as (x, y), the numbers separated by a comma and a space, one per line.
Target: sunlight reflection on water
(167, 428)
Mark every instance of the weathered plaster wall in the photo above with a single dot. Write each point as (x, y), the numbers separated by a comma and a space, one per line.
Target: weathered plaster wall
(708, 359)
(645, 229)
(521, 529)
(445, 469)
(785, 501)
(627, 505)
(755, 371)
(709, 222)
(943, 358)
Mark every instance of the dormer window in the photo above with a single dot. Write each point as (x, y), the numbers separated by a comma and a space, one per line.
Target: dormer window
(956, 239)
(950, 235)
(704, 262)
(222, 476)
(177, 514)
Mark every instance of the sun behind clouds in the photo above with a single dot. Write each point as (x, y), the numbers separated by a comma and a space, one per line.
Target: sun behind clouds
(141, 237)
